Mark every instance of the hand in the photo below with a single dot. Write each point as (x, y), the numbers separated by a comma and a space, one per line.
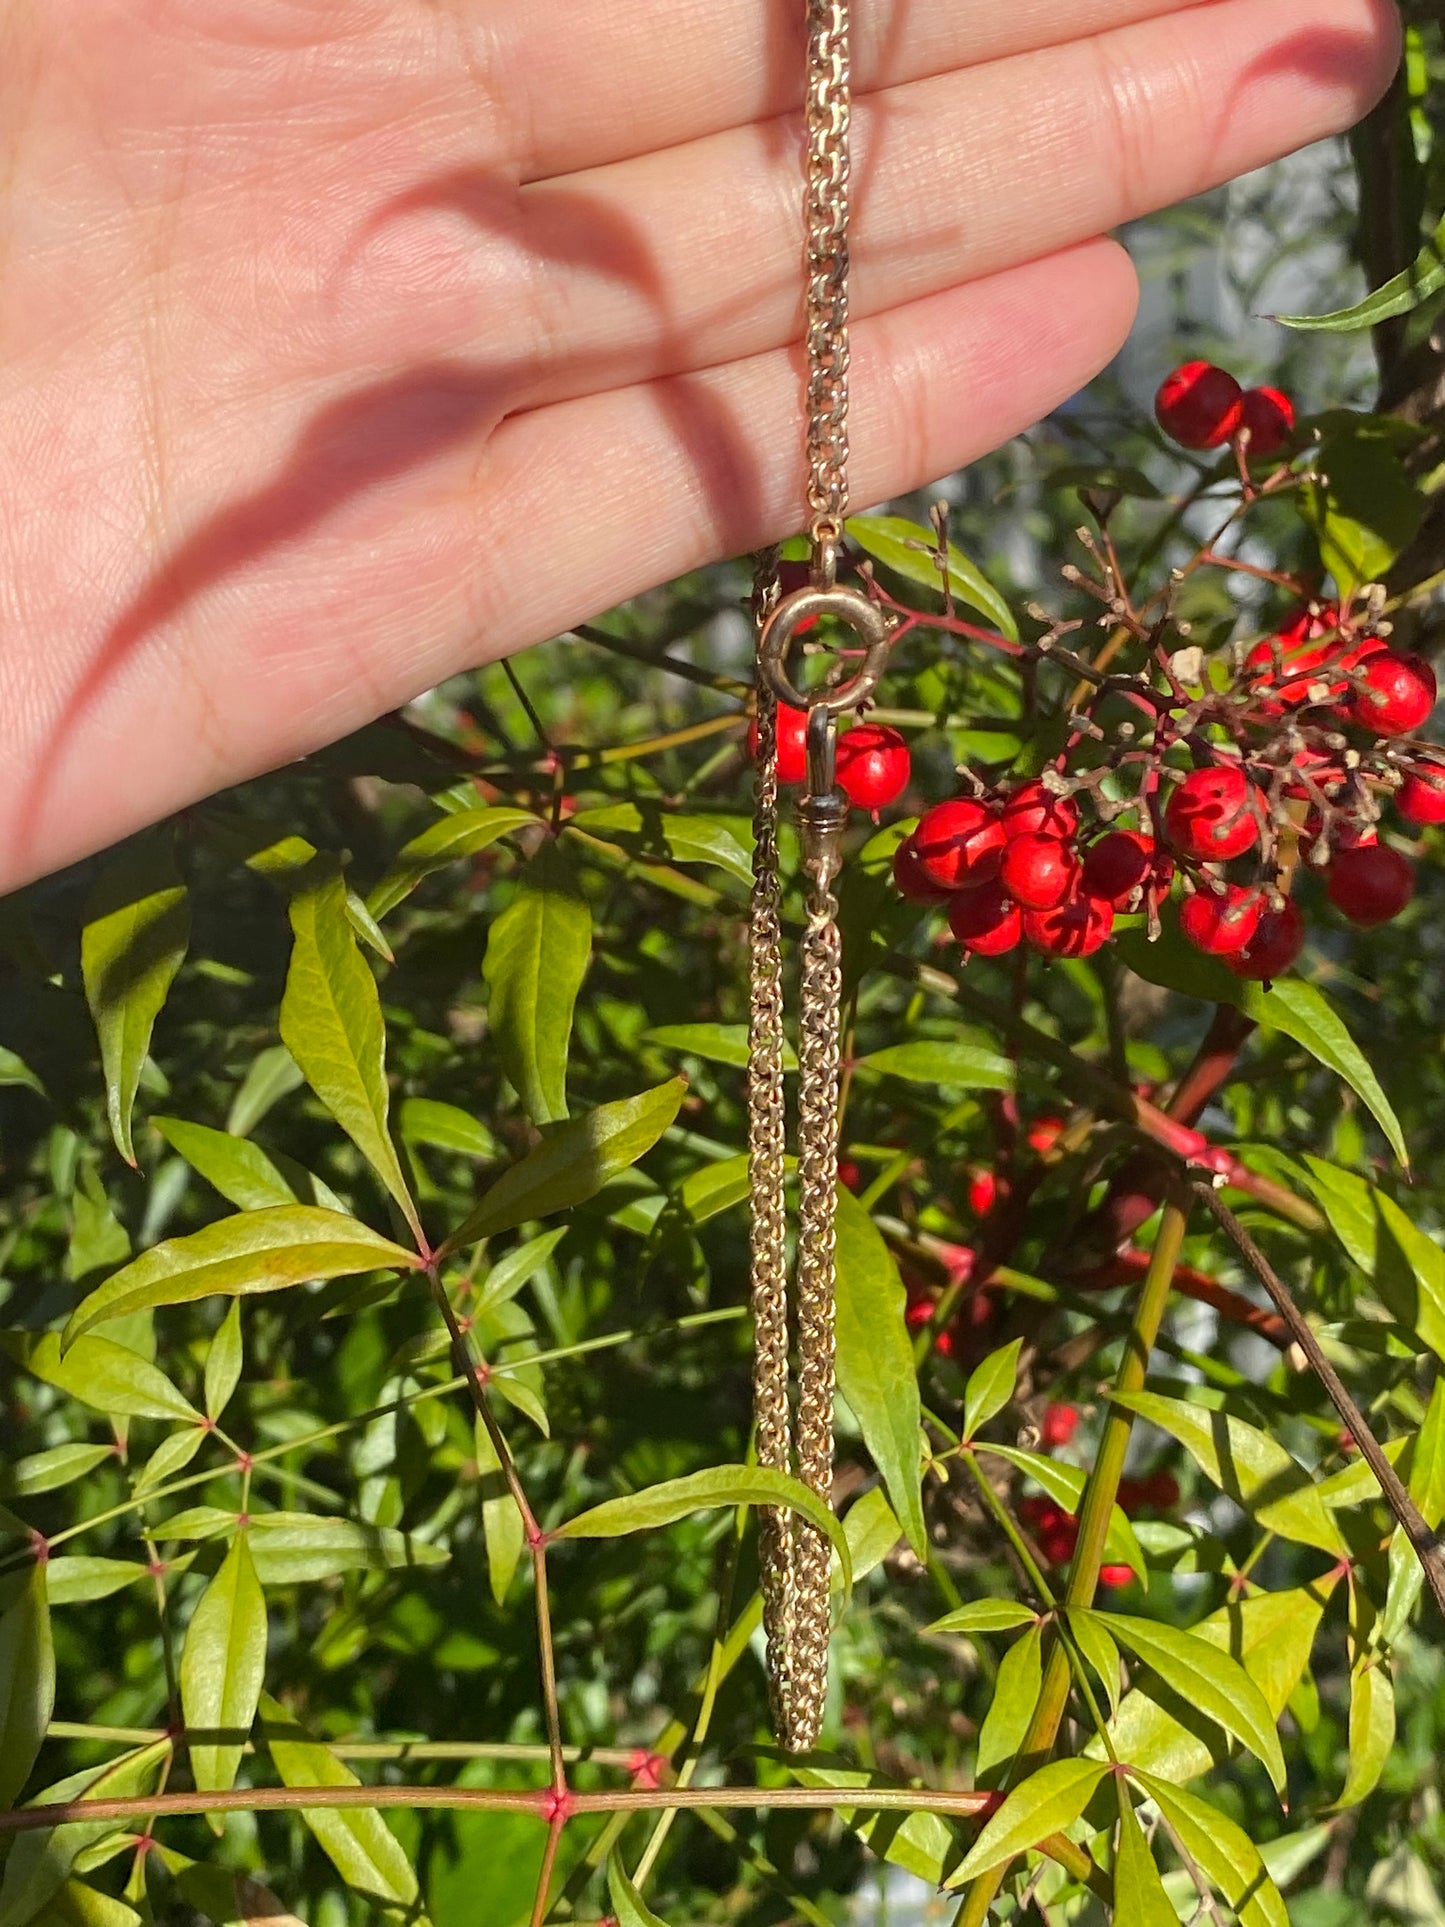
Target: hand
(347, 343)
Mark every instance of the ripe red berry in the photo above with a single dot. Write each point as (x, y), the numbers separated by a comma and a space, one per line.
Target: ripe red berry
(1291, 662)
(1075, 929)
(849, 1174)
(1421, 797)
(1398, 693)
(1044, 1133)
(792, 743)
(960, 844)
(1211, 815)
(1221, 924)
(1060, 1422)
(1118, 865)
(1268, 414)
(986, 921)
(1371, 883)
(918, 1315)
(910, 879)
(1161, 1491)
(1199, 405)
(873, 765)
(1278, 939)
(1116, 1577)
(1039, 871)
(982, 1192)
(1033, 810)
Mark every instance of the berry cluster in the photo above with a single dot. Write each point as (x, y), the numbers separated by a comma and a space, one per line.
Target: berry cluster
(873, 763)
(1057, 1531)
(1201, 406)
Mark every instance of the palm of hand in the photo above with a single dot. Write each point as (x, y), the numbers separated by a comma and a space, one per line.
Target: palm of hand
(349, 342)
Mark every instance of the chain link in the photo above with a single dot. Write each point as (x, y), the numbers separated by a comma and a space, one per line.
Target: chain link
(826, 211)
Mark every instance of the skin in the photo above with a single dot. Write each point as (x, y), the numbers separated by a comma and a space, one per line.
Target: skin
(349, 343)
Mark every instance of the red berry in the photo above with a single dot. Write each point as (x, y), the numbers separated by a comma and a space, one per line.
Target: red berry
(1039, 871)
(1278, 939)
(792, 743)
(1289, 663)
(1044, 1133)
(1223, 923)
(1116, 1577)
(1033, 810)
(1199, 405)
(1059, 1424)
(918, 1314)
(960, 844)
(1371, 883)
(1268, 414)
(1421, 797)
(1161, 1491)
(982, 1192)
(1072, 929)
(1210, 814)
(986, 921)
(873, 765)
(910, 879)
(849, 1175)
(1398, 693)
(1118, 865)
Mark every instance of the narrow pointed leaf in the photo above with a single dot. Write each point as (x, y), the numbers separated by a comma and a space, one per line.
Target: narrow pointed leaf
(423, 1120)
(630, 1909)
(1096, 1643)
(1303, 1012)
(910, 550)
(724, 842)
(359, 1843)
(502, 1524)
(78, 1579)
(272, 1075)
(1139, 1896)
(1400, 295)
(49, 1471)
(27, 1682)
(331, 1023)
(508, 1275)
(223, 1361)
(239, 1170)
(111, 1378)
(454, 837)
(223, 1664)
(716, 1043)
(573, 1162)
(990, 1387)
(256, 1251)
(1372, 1730)
(133, 943)
(40, 1862)
(951, 1065)
(1015, 1695)
(1047, 1802)
(1065, 1484)
(537, 955)
(985, 1616)
(172, 1455)
(1224, 1853)
(875, 1362)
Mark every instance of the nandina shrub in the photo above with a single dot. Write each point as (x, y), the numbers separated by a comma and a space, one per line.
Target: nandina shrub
(374, 1265)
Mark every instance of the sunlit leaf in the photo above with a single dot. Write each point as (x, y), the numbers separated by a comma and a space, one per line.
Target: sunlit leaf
(910, 550)
(1400, 295)
(1139, 1896)
(422, 1120)
(224, 1357)
(1372, 1729)
(503, 1527)
(454, 837)
(1065, 1484)
(628, 1905)
(537, 955)
(111, 1378)
(172, 1455)
(40, 1861)
(508, 1275)
(717, 1043)
(990, 1387)
(49, 1471)
(1224, 1853)
(950, 1064)
(985, 1616)
(239, 1170)
(875, 1362)
(1047, 1802)
(27, 1682)
(223, 1663)
(723, 842)
(1015, 1695)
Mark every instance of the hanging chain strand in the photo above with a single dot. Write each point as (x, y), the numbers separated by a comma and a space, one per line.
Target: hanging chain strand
(767, 1147)
(826, 215)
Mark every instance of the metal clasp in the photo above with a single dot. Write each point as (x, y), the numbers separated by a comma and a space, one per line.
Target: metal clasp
(872, 626)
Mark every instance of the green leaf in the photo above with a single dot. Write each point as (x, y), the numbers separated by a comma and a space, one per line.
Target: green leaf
(1302, 1012)
(1139, 1896)
(724, 842)
(40, 1862)
(952, 1065)
(422, 1120)
(715, 1188)
(111, 1378)
(630, 1909)
(1372, 1729)
(1065, 1484)
(1223, 1852)
(231, 1899)
(537, 955)
(223, 1664)
(1096, 1643)
(1047, 1802)
(990, 1387)
(1015, 1695)
(172, 1455)
(1206, 1678)
(573, 1162)
(872, 1531)
(273, 1074)
(300, 1548)
(716, 1043)
(1401, 294)
(1410, 1274)
(27, 1682)
(224, 1357)
(508, 1275)
(663, 1505)
(77, 1905)
(1364, 509)
(253, 1252)
(360, 1845)
(1255, 1471)
(895, 542)
(503, 1527)
(239, 1170)
(331, 1023)
(985, 1616)
(1270, 1634)
(49, 1471)
(79, 1579)
(448, 841)
(875, 1362)
(134, 941)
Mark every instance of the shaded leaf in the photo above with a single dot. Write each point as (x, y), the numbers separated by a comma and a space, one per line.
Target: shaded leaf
(331, 1023)
(573, 1162)
(239, 1170)
(49, 1471)
(224, 1357)
(272, 1075)
(1047, 1802)
(1401, 294)
(1364, 508)
(1303, 1012)
(255, 1251)
(990, 1387)
(875, 1362)
(537, 955)
(502, 1524)
(724, 842)
(223, 1664)
(40, 1862)
(27, 1681)
(293, 1548)
(134, 941)
(910, 551)
(454, 837)
(422, 1120)
(628, 1905)
(950, 1064)
(517, 1268)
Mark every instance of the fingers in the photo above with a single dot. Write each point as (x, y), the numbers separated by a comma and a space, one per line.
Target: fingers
(675, 70)
(695, 251)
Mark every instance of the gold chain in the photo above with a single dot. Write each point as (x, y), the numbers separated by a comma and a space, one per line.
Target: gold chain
(793, 1555)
